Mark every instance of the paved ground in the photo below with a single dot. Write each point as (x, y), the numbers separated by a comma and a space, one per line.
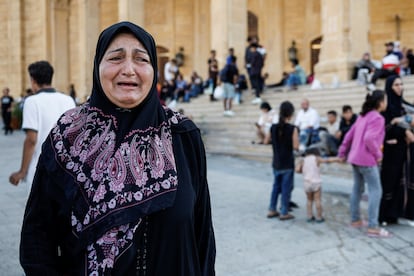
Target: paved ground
(247, 242)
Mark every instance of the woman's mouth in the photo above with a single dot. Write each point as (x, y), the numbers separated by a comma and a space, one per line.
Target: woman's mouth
(128, 84)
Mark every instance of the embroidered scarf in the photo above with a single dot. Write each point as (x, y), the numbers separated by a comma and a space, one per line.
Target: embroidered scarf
(121, 162)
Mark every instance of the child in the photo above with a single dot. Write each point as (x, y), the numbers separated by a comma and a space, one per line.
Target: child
(285, 139)
(312, 182)
(362, 148)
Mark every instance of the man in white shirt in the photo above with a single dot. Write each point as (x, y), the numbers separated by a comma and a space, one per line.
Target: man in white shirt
(170, 71)
(308, 122)
(40, 113)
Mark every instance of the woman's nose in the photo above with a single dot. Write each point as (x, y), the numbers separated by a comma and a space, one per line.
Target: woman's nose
(128, 68)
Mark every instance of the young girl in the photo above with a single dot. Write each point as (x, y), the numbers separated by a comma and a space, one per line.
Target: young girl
(285, 139)
(312, 182)
(362, 148)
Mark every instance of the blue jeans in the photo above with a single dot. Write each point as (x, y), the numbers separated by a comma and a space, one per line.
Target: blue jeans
(293, 80)
(308, 136)
(282, 184)
(371, 176)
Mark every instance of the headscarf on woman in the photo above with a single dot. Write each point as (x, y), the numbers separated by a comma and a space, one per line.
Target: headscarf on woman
(114, 167)
(394, 106)
(397, 167)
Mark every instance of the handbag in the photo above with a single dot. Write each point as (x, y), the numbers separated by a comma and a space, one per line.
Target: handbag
(209, 89)
(218, 92)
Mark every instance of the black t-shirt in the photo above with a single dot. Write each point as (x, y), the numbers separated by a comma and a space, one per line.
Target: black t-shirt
(282, 144)
(6, 102)
(344, 127)
(228, 73)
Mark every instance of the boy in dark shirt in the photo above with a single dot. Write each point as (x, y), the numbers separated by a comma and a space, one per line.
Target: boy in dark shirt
(347, 120)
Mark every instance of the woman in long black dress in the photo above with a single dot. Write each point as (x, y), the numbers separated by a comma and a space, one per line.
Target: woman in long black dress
(397, 174)
(120, 188)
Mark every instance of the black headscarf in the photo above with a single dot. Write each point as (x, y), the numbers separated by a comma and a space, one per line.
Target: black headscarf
(121, 162)
(150, 110)
(394, 106)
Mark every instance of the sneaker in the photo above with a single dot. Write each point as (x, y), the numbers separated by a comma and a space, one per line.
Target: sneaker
(230, 113)
(226, 113)
(257, 101)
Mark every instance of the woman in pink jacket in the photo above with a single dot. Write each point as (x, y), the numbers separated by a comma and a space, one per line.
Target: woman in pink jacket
(362, 148)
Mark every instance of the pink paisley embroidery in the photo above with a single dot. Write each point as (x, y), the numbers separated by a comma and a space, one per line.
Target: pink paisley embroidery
(156, 158)
(101, 163)
(109, 246)
(137, 164)
(167, 147)
(117, 173)
(100, 193)
(142, 167)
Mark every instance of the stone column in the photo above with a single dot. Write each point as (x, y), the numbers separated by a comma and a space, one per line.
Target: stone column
(87, 36)
(345, 27)
(132, 10)
(12, 69)
(228, 21)
(59, 30)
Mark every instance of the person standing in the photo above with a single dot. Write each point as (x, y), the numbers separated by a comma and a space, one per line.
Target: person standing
(6, 110)
(228, 76)
(362, 148)
(284, 141)
(213, 72)
(256, 62)
(41, 111)
(121, 185)
(397, 173)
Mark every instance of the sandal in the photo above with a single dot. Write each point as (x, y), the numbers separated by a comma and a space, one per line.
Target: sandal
(272, 214)
(378, 233)
(321, 220)
(287, 217)
(310, 220)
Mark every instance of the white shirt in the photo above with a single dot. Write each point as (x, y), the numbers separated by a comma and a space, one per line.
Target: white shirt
(40, 113)
(169, 71)
(267, 119)
(333, 128)
(309, 118)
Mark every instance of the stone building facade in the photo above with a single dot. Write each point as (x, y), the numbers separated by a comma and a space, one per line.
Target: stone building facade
(329, 35)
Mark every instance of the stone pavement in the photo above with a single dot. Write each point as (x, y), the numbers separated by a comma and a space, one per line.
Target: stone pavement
(247, 242)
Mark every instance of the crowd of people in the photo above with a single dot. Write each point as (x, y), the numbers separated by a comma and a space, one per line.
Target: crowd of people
(121, 174)
(396, 61)
(228, 77)
(378, 143)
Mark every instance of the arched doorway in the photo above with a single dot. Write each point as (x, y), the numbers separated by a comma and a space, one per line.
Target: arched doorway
(315, 48)
(252, 24)
(162, 54)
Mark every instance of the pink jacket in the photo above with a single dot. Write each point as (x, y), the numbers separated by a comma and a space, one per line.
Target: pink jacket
(363, 142)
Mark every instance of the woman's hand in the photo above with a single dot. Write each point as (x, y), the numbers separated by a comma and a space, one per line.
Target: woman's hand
(409, 136)
(341, 159)
(397, 120)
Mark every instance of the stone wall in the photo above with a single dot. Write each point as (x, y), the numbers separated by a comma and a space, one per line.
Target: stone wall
(383, 24)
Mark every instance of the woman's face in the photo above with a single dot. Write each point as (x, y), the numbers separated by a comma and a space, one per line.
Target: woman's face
(125, 72)
(397, 86)
(383, 104)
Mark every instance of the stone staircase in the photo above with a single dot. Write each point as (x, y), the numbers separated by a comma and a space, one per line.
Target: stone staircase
(234, 135)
